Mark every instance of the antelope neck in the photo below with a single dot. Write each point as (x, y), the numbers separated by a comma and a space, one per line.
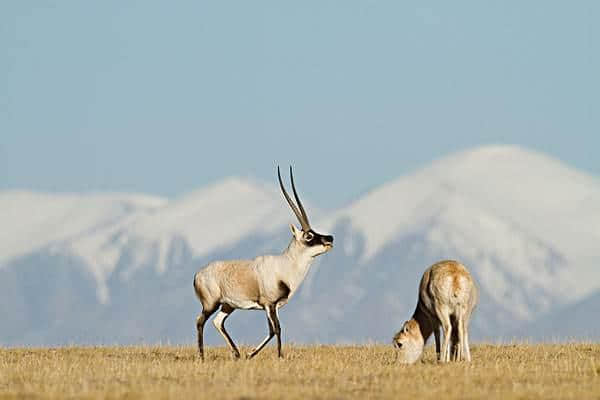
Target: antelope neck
(298, 263)
(423, 321)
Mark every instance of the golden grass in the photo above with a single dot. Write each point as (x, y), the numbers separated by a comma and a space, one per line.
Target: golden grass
(568, 371)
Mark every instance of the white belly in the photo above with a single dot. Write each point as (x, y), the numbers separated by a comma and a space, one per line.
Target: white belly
(243, 304)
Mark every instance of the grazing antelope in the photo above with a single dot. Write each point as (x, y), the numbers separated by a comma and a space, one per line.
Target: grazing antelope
(264, 283)
(447, 297)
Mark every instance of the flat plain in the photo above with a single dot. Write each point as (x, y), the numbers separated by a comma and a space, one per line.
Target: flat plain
(520, 371)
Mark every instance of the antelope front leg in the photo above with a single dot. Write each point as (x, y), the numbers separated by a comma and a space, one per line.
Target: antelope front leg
(274, 317)
(436, 334)
(265, 341)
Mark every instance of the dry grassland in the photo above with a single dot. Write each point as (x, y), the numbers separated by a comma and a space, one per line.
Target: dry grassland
(569, 371)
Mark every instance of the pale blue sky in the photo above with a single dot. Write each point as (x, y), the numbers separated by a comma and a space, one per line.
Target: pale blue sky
(164, 97)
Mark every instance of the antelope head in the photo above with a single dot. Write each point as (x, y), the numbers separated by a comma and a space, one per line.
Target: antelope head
(314, 242)
(409, 342)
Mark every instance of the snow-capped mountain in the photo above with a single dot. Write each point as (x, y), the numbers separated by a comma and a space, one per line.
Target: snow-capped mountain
(536, 194)
(118, 268)
(31, 220)
(526, 225)
(202, 221)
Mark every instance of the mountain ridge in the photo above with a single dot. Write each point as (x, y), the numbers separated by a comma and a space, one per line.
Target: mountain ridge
(480, 206)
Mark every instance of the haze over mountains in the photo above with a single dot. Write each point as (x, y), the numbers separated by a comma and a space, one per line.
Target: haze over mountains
(118, 268)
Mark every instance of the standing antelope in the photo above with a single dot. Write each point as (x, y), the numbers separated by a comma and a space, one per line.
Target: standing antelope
(265, 283)
(447, 297)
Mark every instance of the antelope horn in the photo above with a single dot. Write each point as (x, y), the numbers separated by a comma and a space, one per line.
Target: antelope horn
(299, 215)
(302, 210)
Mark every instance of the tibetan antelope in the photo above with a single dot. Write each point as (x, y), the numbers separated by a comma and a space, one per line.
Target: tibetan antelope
(264, 283)
(447, 297)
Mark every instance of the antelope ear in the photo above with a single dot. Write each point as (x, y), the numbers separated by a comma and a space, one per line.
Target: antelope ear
(296, 232)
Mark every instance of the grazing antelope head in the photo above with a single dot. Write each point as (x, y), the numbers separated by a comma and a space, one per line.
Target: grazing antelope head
(409, 342)
(266, 282)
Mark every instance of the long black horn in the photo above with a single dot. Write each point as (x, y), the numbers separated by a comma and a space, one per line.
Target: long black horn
(304, 225)
(304, 216)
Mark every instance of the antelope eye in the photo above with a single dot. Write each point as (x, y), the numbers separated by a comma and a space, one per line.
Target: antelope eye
(308, 236)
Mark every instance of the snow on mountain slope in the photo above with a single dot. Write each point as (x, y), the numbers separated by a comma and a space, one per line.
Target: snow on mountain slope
(214, 217)
(33, 220)
(543, 198)
(519, 275)
(540, 194)
(501, 254)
